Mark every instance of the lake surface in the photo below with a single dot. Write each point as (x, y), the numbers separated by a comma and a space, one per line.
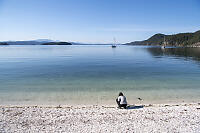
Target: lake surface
(68, 75)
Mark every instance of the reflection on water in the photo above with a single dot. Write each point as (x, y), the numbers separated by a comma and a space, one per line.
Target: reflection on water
(95, 74)
(187, 53)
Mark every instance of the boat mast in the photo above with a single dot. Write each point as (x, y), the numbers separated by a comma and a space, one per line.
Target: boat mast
(114, 41)
(164, 43)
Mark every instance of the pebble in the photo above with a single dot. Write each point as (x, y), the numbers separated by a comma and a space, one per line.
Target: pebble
(182, 118)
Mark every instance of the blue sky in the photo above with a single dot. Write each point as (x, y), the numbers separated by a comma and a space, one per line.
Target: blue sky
(96, 21)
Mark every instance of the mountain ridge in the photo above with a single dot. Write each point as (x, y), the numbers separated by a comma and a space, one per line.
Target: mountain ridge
(180, 39)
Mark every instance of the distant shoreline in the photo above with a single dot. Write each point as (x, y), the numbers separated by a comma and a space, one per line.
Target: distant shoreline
(98, 45)
(99, 105)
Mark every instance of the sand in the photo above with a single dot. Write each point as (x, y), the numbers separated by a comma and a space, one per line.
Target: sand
(154, 118)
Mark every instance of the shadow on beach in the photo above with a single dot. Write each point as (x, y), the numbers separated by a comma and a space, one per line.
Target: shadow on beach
(134, 107)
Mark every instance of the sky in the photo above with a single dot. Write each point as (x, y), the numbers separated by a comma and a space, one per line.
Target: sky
(96, 21)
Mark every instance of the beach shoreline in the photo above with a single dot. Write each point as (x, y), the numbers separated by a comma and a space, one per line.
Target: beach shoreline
(98, 105)
(101, 118)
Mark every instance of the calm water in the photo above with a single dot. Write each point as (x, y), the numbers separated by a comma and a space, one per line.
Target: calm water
(95, 74)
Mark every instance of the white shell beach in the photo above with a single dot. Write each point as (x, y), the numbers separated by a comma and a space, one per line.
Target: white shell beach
(150, 118)
(100, 66)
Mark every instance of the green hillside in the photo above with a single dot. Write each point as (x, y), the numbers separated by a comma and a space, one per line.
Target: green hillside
(181, 39)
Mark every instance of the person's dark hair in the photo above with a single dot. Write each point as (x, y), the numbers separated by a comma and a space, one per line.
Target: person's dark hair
(120, 94)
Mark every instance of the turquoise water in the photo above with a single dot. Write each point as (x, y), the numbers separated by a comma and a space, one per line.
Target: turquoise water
(41, 75)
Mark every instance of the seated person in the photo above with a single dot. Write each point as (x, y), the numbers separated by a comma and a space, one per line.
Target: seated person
(121, 101)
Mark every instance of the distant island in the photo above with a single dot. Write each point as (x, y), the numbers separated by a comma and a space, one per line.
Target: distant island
(3, 43)
(56, 43)
(35, 42)
(181, 39)
(46, 42)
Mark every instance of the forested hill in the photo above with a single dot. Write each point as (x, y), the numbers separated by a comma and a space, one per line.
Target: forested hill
(56, 43)
(181, 39)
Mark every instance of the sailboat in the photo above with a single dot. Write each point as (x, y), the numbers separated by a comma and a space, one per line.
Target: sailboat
(164, 44)
(114, 45)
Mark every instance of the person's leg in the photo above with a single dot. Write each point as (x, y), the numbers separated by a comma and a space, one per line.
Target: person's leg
(118, 103)
(124, 106)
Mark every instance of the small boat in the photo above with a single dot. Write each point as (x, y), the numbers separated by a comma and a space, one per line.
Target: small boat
(162, 47)
(115, 44)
